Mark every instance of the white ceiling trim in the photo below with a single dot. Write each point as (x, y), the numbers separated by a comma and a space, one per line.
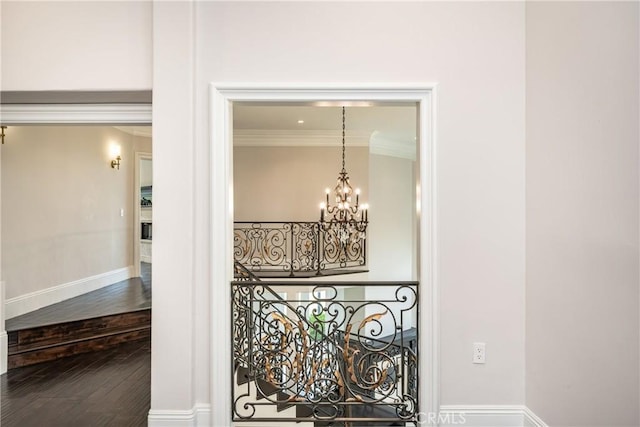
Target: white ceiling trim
(136, 130)
(112, 114)
(297, 138)
(385, 146)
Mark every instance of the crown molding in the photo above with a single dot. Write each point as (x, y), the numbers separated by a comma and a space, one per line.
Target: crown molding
(136, 131)
(111, 114)
(394, 147)
(377, 142)
(297, 138)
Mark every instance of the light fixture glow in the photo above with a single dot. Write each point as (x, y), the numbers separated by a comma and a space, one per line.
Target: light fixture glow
(114, 150)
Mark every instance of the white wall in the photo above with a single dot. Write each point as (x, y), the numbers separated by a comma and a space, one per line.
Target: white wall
(288, 183)
(392, 232)
(75, 45)
(476, 52)
(61, 205)
(180, 316)
(582, 213)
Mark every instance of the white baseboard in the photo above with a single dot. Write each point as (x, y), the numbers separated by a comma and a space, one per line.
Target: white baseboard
(532, 420)
(198, 416)
(488, 416)
(449, 416)
(3, 352)
(35, 300)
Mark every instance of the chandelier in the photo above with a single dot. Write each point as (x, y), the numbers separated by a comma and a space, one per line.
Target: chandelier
(346, 218)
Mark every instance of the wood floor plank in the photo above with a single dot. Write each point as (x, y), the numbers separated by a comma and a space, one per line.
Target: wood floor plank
(107, 388)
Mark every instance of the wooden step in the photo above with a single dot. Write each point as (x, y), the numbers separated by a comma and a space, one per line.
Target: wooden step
(49, 342)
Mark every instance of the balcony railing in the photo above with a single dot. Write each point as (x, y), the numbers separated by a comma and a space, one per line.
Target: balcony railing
(296, 249)
(326, 350)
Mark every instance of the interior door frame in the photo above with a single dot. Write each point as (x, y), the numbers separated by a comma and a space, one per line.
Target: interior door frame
(139, 155)
(221, 99)
(65, 113)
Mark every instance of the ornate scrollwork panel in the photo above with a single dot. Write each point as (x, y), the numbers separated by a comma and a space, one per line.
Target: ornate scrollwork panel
(296, 247)
(338, 358)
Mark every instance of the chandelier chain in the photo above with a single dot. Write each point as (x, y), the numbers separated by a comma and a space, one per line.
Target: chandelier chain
(343, 147)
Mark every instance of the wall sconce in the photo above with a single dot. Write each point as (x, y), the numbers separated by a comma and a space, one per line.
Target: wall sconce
(115, 163)
(115, 153)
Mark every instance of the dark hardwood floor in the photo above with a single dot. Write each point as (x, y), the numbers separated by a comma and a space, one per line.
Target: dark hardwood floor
(106, 388)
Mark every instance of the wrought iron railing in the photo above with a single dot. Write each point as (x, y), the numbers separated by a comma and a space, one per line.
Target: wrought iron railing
(329, 356)
(296, 248)
(242, 273)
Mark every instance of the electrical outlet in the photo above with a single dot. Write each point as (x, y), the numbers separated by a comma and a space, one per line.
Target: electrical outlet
(478, 352)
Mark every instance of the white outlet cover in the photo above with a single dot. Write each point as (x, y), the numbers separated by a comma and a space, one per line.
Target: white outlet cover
(479, 355)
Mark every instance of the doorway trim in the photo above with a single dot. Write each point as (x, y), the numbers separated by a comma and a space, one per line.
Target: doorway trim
(34, 113)
(139, 155)
(221, 98)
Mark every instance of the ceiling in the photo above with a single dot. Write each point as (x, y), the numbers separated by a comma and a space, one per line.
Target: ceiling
(391, 121)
